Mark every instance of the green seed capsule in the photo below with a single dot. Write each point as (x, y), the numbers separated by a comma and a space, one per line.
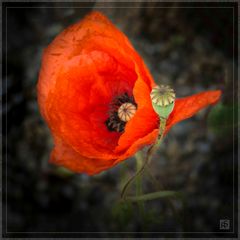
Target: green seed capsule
(163, 98)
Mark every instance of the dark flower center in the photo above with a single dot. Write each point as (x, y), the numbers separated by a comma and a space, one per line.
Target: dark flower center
(122, 107)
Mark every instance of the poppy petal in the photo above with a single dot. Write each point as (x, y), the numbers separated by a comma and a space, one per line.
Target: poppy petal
(144, 121)
(64, 155)
(188, 106)
(138, 145)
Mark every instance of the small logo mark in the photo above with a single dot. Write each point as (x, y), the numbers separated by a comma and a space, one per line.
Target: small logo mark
(224, 224)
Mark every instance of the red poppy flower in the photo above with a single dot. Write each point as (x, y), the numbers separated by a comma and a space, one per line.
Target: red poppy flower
(88, 72)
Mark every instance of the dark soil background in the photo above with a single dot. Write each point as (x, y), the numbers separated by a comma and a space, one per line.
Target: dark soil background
(189, 48)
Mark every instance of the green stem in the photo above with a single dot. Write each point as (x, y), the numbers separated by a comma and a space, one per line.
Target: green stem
(139, 191)
(155, 146)
(150, 153)
(152, 196)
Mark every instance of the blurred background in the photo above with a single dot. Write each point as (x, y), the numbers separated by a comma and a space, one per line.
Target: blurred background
(187, 46)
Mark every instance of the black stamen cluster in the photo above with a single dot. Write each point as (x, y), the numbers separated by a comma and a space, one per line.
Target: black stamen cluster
(114, 123)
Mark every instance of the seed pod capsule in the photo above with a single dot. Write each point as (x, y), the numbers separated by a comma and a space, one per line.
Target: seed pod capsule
(163, 98)
(162, 95)
(126, 111)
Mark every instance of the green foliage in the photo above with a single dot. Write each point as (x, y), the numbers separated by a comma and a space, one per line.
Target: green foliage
(177, 40)
(223, 118)
(122, 213)
(63, 172)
